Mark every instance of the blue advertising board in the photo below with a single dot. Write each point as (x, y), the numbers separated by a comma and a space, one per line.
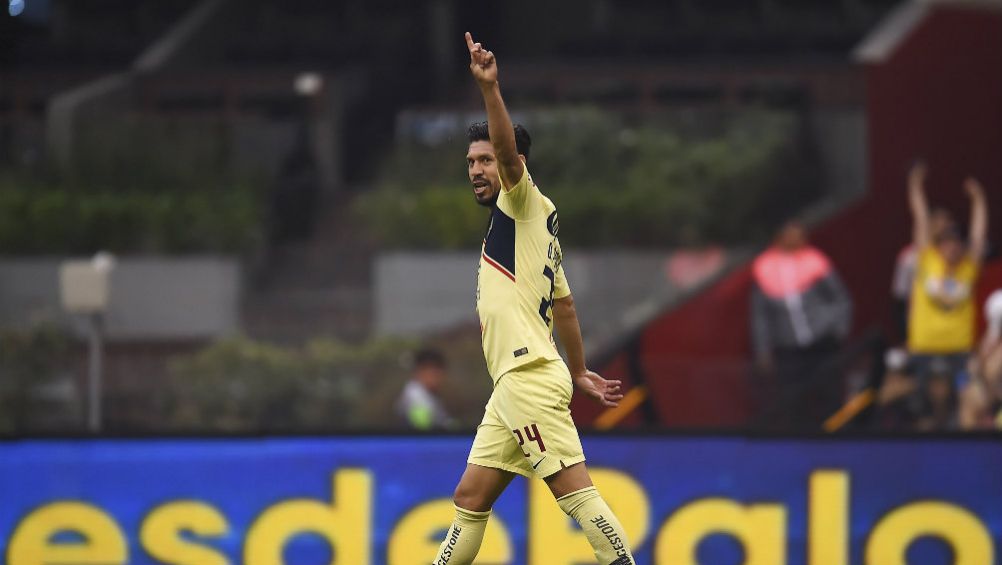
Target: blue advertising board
(387, 500)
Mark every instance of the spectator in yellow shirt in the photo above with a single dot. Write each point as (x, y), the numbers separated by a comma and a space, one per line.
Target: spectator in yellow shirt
(941, 314)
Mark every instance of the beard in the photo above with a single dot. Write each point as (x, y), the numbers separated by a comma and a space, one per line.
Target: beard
(487, 203)
(485, 200)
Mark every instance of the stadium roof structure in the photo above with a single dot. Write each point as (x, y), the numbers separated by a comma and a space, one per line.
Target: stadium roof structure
(878, 46)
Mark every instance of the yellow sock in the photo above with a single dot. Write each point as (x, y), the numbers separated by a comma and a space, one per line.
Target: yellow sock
(462, 541)
(599, 524)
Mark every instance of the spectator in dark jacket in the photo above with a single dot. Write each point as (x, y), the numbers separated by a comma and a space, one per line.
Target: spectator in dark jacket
(801, 314)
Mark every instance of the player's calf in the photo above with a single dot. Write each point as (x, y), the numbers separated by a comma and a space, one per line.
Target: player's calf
(603, 530)
(463, 539)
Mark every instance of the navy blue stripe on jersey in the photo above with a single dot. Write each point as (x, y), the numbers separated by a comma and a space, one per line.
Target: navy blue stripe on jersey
(500, 269)
(499, 245)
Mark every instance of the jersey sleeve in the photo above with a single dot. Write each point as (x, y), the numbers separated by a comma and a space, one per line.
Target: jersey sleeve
(560, 287)
(523, 200)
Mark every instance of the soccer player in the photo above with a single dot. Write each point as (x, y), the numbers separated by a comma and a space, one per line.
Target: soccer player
(521, 295)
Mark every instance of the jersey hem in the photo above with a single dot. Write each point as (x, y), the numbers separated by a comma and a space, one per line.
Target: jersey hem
(923, 351)
(540, 359)
(562, 464)
(498, 465)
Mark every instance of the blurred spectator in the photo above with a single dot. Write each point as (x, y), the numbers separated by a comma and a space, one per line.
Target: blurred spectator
(687, 268)
(941, 313)
(419, 406)
(296, 192)
(981, 398)
(898, 407)
(801, 313)
(938, 397)
(940, 220)
(694, 262)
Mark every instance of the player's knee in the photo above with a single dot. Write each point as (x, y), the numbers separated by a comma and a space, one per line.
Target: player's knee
(470, 499)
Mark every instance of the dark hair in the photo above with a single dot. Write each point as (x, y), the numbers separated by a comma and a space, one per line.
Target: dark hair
(429, 356)
(479, 132)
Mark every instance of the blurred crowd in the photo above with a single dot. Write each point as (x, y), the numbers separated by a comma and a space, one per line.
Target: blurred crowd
(935, 376)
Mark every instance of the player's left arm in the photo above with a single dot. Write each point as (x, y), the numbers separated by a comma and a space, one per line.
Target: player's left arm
(565, 320)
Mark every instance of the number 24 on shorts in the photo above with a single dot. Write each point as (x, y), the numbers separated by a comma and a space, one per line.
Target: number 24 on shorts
(531, 434)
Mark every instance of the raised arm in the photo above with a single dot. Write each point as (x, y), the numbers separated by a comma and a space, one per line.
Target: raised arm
(918, 205)
(565, 320)
(484, 68)
(979, 218)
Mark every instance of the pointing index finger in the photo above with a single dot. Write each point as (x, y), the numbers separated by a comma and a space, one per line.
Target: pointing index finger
(469, 41)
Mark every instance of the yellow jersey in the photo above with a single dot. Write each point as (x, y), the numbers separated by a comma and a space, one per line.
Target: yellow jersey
(520, 275)
(941, 316)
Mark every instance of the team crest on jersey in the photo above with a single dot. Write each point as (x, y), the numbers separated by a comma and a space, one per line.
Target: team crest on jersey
(552, 225)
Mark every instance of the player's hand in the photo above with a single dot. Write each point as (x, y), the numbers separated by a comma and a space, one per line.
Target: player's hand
(606, 392)
(973, 188)
(917, 174)
(483, 66)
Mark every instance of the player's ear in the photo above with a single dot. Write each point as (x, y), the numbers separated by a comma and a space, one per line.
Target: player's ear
(522, 157)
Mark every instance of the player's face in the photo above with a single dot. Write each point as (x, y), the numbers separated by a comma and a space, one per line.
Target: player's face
(483, 171)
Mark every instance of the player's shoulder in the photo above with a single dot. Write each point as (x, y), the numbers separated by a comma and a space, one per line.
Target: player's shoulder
(533, 191)
(524, 201)
(547, 204)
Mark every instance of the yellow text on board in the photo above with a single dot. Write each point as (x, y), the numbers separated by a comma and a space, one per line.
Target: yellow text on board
(181, 532)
